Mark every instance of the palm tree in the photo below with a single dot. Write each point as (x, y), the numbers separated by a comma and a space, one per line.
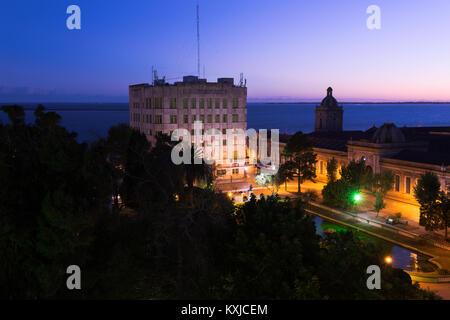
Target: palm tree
(301, 159)
(196, 173)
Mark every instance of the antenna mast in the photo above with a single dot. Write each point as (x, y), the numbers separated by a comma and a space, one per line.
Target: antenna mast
(198, 39)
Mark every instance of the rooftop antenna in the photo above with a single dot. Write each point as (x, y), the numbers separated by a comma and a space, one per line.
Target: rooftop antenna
(153, 78)
(241, 80)
(198, 38)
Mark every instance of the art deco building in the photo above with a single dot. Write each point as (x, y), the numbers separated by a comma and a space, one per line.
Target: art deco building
(221, 105)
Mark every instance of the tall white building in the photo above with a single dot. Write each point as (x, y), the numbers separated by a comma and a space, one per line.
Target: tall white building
(221, 105)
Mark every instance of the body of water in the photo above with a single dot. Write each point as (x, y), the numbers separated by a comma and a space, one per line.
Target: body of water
(92, 120)
(401, 258)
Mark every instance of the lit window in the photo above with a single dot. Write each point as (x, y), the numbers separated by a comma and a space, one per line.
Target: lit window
(397, 183)
(408, 185)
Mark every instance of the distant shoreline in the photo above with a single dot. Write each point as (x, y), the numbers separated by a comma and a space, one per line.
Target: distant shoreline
(364, 102)
(119, 106)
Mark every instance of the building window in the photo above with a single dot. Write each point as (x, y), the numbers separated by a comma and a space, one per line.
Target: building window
(235, 103)
(202, 103)
(408, 185)
(224, 103)
(185, 103)
(193, 103)
(173, 119)
(221, 172)
(158, 103)
(194, 118)
(158, 119)
(224, 118)
(397, 183)
(209, 103)
(217, 118)
(148, 103)
(235, 171)
(185, 118)
(173, 103)
(202, 118)
(209, 118)
(217, 103)
(224, 131)
(235, 118)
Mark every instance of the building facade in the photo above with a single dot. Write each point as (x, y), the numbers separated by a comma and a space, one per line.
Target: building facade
(408, 152)
(221, 105)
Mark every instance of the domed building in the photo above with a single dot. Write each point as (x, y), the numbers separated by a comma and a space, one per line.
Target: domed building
(329, 114)
(408, 151)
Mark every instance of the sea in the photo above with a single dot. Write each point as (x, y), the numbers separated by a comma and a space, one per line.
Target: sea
(92, 120)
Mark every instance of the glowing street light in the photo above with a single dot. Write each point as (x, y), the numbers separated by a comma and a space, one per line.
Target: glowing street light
(388, 260)
(230, 195)
(357, 197)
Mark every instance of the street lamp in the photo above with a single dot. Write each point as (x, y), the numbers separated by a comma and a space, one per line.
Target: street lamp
(230, 195)
(388, 260)
(357, 197)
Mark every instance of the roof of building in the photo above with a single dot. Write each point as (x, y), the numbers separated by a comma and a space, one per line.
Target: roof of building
(388, 133)
(336, 140)
(329, 101)
(436, 158)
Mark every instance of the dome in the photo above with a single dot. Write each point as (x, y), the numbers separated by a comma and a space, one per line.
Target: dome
(329, 101)
(388, 133)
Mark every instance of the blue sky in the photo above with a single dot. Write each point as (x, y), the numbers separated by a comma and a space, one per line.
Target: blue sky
(287, 49)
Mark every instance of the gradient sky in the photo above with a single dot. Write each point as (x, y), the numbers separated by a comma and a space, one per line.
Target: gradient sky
(287, 49)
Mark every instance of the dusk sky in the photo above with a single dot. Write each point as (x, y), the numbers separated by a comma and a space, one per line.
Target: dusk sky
(287, 49)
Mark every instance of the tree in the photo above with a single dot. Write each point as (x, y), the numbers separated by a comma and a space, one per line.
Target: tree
(434, 204)
(338, 194)
(382, 183)
(301, 159)
(332, 166)
(427, 188)
(357, 175)
(196, 173)
(54, 192)
(379, 202)
(354, 177)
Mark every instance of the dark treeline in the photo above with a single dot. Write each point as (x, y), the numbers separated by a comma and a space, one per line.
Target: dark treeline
(141, 227)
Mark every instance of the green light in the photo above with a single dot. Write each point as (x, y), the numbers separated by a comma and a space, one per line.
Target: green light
(357, 197)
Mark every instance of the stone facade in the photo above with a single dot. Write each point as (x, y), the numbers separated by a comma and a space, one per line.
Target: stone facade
(408, 152)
